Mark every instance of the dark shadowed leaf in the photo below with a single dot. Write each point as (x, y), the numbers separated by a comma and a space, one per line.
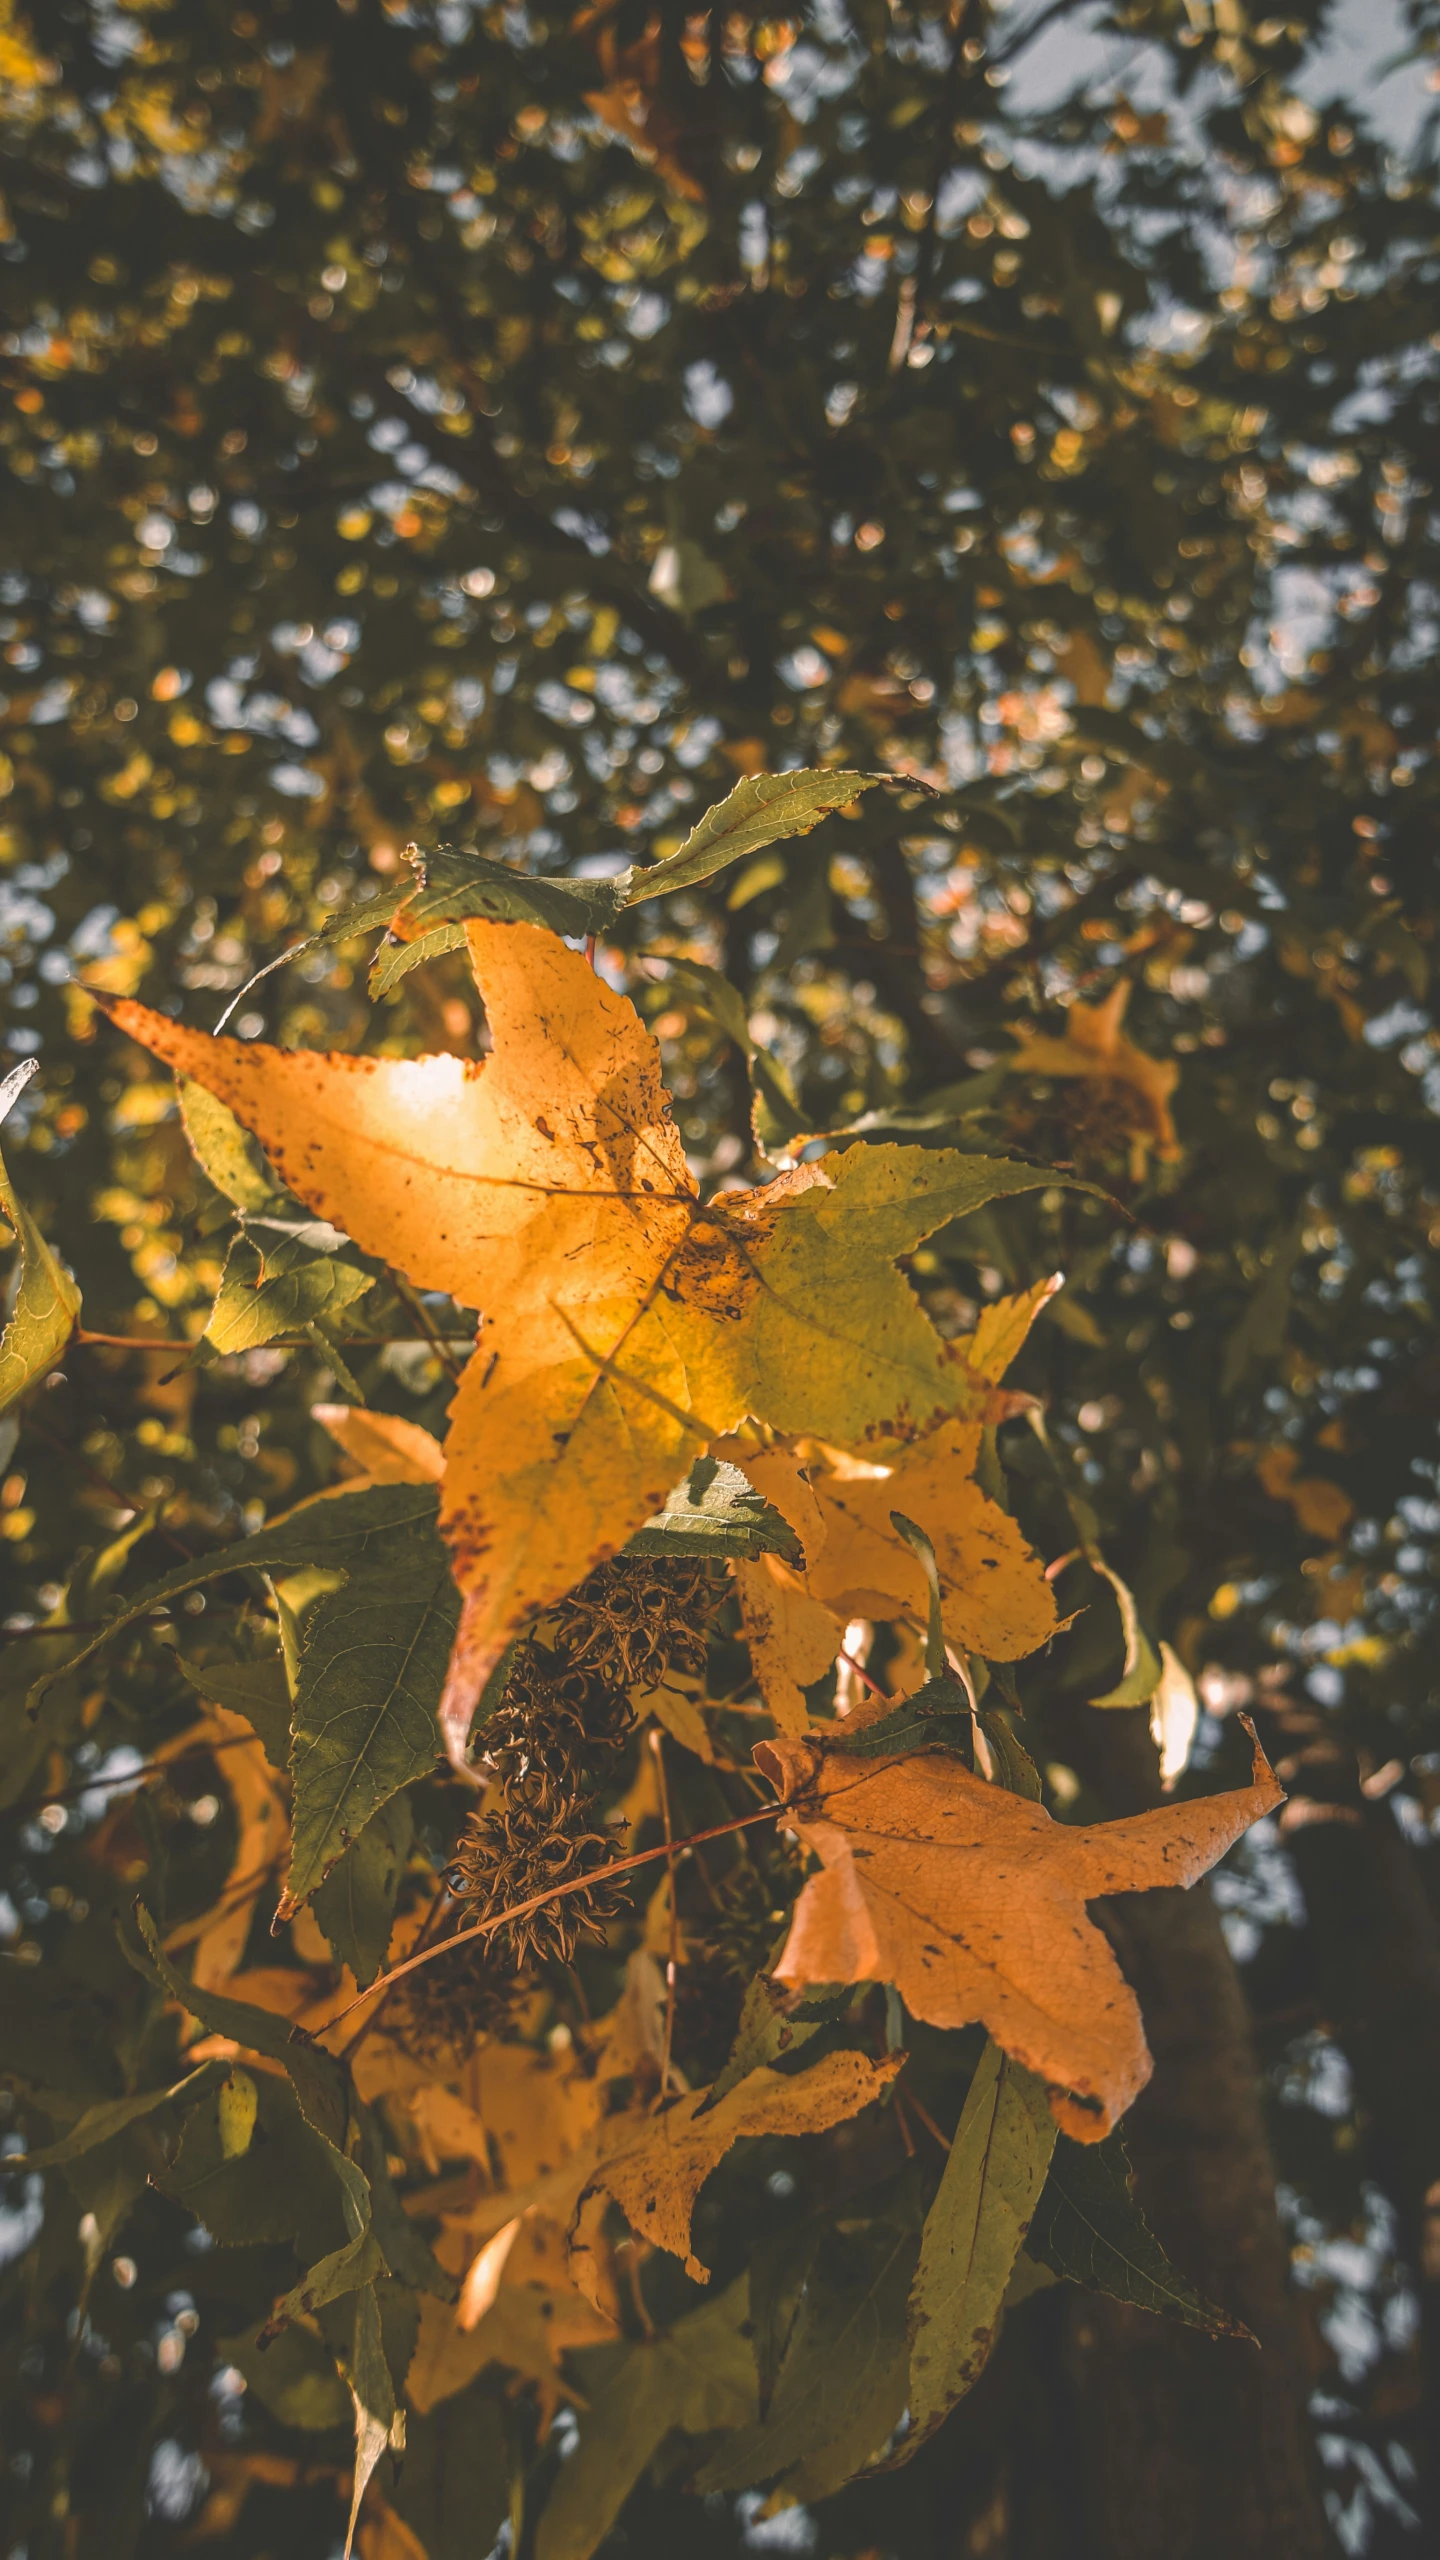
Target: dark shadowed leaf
(371, 1669)
(697, 2377)
(1089, 2228)
(355, 1905)
(841, 2386)
(453, 2489)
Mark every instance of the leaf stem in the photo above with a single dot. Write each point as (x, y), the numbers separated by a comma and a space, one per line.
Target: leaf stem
(657, 1745)
(421, 1314)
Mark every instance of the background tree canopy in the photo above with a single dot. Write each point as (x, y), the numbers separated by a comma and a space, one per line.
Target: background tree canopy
(504, 429)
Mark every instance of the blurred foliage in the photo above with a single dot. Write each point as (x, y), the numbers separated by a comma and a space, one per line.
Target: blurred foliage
(506, 428)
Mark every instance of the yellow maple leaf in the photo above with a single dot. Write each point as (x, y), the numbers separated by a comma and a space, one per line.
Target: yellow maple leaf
(625, 1324)
(1094, 1045)
(971, 1901)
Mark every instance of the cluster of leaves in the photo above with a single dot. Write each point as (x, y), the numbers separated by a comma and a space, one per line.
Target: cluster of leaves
(823, 403)
(781, 1307)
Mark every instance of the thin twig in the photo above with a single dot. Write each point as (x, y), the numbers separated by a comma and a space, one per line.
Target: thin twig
(80, 1627)
(537, 1901)
(281, 1342)
(862, 1674)
(130, 1777)
(348, 2051)
(924, 2115)
(657, 1745)
(422, 1317)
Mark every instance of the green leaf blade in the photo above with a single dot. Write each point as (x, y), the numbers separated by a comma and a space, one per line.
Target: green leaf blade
(762, 810)
(973, 2234)
(372, 1666)
(1089, 2229)
(46, 1305)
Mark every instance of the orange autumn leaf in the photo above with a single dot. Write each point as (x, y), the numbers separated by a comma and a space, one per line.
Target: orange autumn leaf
(1320, 1505)
(971, 1901)
(624, 1323)
(1094, 1045)
(384, 1446)
(531, 2320)
(654, 2166)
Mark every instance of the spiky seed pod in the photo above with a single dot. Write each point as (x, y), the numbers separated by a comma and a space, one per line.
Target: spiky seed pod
(551, 1745)
(751, 1905)
(438, 2012)
(634, 1619)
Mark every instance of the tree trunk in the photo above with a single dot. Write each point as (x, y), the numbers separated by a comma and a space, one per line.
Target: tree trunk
(1191, 2447)
(1375, 1958)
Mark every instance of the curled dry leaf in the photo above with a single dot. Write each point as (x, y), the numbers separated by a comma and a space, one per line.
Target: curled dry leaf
(384, 1446)
(625, 1324)
(971, 1901)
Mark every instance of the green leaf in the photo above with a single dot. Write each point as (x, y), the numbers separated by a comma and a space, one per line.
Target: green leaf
(369, 915)
(355, 1905)
(973, 2233)
(454, 2486)
(259, 1691)
(937, 1717)
(334, 1534)
(379, 2424)
(715, 1512)
(395, 960)
(223, 1150)
(778, 2278)
(761, 810)
(1089, 2228)
(57, 2037)
(322, 2086)
(116, 2115)
(773, 1098)
(372, 1665)
(1141, 1675)
(319, 2081)
(294, 2377)
(283, 1288)
(1261, 1331)
(697, 2377)
(458, 885)
(280, 2188)
(840, 2390)
(45, 1303)
(1014, 1768)
(773, 2024)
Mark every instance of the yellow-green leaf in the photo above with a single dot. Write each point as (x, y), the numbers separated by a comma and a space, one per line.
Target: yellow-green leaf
(761, 810)
(46, 1303)
(988, 2195)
